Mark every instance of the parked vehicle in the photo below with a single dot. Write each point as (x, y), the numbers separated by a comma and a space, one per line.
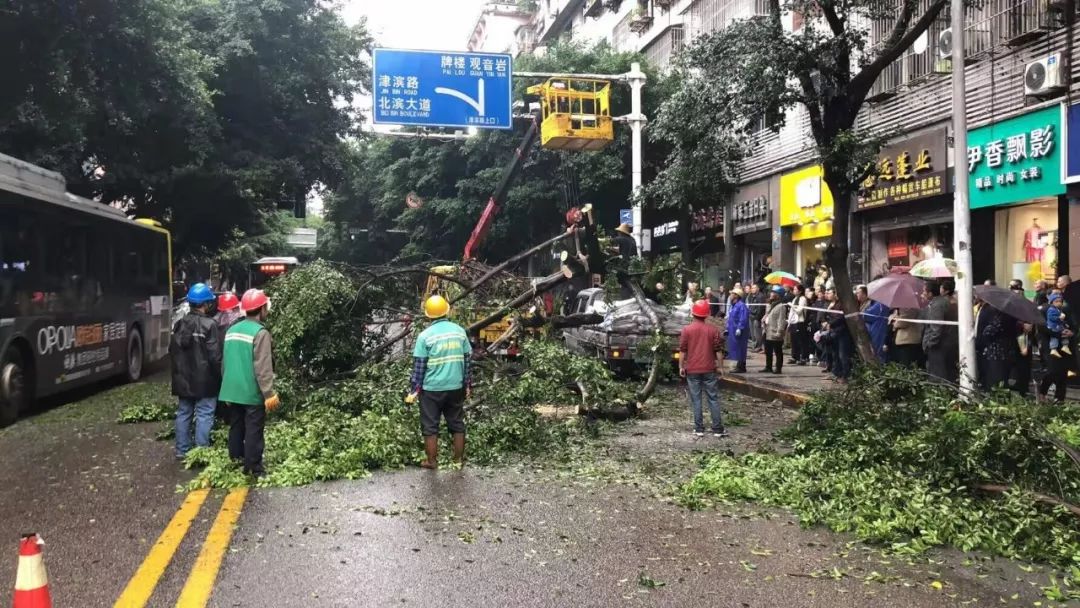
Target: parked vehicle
(616, 340)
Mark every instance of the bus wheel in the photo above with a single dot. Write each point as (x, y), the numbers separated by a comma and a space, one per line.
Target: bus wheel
(134, 356)
(13, 390)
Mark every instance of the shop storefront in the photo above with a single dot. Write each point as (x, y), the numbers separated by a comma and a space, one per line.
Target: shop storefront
(704, 239)
(806, 214)
(751, 229)
(1015, 188)
(906, 205)
(1070, 216)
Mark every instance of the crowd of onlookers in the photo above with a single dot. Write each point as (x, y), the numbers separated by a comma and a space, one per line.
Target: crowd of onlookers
(806, 321)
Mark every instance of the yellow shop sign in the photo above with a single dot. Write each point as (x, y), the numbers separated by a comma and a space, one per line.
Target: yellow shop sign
(807, 203)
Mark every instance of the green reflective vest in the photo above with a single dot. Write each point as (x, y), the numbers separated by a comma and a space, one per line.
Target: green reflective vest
(238, 383)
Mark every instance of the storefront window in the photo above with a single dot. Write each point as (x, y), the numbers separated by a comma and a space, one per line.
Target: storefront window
(1029, 252)
(902, 248)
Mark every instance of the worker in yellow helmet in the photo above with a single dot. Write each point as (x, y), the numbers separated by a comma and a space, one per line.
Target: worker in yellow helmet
(442, 380)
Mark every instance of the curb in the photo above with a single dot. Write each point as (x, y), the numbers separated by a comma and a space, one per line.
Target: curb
(764, 391)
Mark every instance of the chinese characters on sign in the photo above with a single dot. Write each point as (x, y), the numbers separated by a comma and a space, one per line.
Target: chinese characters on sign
(750, 215)
(1016, 159)
(449, 89)
(907, 171)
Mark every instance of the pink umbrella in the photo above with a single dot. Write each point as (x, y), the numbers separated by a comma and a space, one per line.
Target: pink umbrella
(897, 291)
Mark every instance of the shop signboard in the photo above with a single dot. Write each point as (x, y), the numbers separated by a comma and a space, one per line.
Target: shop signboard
(706, 230)
(1072, 144)
(906, 171)
(1016, 160)
(751, 215)
(807, 203)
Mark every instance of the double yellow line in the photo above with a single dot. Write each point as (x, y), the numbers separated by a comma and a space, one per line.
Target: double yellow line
(200, 583)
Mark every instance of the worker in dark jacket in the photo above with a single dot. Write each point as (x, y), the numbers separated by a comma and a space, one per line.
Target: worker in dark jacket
(941, 341)
(248, 383)
(624, 239)
(195, 352)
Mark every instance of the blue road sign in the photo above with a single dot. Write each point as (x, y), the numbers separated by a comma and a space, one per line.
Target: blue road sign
(442, 89)
(626, 216)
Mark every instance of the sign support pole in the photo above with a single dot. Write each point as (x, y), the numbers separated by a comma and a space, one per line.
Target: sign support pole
(637, 121)
(961, 208)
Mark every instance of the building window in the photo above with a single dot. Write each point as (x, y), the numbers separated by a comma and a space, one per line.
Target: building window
(706, 16)
(661, 51)
(990, 24)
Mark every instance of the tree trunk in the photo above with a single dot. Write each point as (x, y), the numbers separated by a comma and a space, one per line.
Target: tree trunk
(837, 257)
(654, 373)
(497, 269)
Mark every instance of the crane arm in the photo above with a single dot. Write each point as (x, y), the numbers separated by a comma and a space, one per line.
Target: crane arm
(498, 197)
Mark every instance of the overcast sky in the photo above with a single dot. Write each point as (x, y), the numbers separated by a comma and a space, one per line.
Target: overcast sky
(417, 24)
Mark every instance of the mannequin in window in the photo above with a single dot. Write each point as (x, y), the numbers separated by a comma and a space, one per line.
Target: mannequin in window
(1033, 246)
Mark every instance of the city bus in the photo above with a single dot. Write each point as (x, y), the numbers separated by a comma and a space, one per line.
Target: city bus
(262, 270)
(85, 292)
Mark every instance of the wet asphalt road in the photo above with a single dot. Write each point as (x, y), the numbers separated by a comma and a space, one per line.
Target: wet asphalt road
(598, 531)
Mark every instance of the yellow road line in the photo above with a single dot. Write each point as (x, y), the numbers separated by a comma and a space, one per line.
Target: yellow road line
(142, 584)
(200, 582)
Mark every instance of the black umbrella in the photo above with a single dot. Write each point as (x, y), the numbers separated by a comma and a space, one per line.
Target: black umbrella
(1012, 304)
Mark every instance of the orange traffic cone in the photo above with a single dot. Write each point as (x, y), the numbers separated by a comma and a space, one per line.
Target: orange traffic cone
(31, 583)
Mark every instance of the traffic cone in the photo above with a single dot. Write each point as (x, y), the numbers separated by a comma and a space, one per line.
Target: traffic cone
(31, 583)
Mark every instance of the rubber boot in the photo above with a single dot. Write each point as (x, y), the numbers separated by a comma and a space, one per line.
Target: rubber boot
(459, 448)
(431, 448)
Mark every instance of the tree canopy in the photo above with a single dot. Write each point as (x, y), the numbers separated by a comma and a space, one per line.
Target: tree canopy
(205, 114)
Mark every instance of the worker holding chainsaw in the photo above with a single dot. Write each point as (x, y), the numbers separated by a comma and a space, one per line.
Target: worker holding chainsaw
(441, 380)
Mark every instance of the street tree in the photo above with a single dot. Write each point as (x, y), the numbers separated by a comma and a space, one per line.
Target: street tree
(205, 114)
(827, 63)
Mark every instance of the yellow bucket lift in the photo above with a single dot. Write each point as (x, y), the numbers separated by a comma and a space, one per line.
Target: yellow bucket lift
(576, 113)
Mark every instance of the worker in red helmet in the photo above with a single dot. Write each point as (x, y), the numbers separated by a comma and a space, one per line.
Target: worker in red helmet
(247, 386)
(228, 313)
(700, 358)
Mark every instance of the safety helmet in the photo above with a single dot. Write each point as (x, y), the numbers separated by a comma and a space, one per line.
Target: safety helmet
(700, 309)
(199, 294)
(573, 216)
(436, 307)
(253, 300)
(227, 301)
(778, 289)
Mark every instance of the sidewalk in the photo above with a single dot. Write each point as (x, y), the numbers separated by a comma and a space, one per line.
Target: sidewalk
(793, 386)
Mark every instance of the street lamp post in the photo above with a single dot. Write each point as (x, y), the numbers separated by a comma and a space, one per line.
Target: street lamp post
(961, 210)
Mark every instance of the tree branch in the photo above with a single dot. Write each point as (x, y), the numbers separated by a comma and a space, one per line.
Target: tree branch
(1043, 498)
(501, 267)
(899, 40)
(834, 20)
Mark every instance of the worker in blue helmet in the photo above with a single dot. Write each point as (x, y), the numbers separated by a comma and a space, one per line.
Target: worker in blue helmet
(195, 352)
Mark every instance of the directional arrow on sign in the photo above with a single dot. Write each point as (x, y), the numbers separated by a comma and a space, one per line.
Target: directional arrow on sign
(477, 104)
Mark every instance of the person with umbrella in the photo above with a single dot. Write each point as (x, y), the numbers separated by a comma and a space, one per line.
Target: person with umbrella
(941, 340)
(738, 328)
(775, 325)
(998, 328)
(876, 318)
(1025, 342)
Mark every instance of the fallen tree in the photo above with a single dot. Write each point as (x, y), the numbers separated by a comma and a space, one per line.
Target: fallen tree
(898, 461)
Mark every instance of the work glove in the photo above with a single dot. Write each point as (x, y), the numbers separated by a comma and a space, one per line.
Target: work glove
(411, 398)
(272, 403)
(738, 333)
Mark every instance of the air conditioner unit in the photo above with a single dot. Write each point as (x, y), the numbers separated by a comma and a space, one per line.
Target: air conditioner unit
(944, 44)
(1044, 77)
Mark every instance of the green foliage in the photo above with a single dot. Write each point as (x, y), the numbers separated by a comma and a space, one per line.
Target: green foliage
(203, 114)
(319, 319)
(347, 429)
(898, 461)
(145, 402)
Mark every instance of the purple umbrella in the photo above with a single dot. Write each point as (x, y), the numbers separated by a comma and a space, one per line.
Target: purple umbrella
(898, 291)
